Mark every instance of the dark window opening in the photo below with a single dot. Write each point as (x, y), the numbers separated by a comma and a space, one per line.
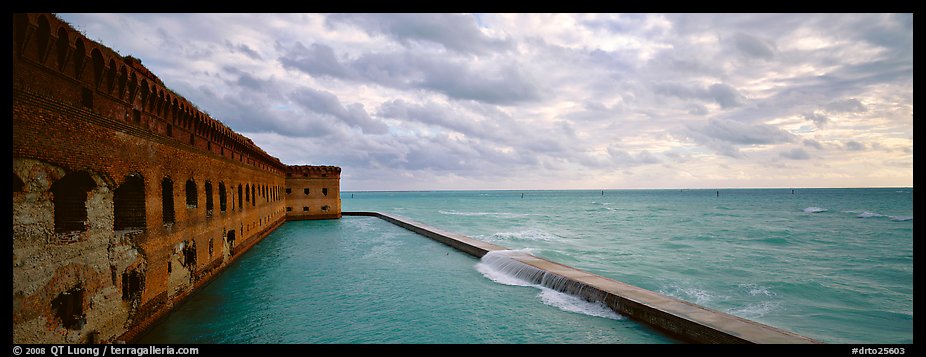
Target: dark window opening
(254, 201)
(289, 209)
(111, 77)
(167, 200)
(136, 116)
(133, 87)
(209, 206)
(230, 238)
(18, 184)
(62, 46)
(289, 190)
(69, 308)
(86, 98)
(240, 202)
(133, 283)
(169, 267)
(305, 209)
(19, 27)
(79, 55)
(305, 190)
(189, 255)
(44, 34)
(170, 130)
(192, 140)
(222, 198)
(129, 204)
(70, 199)
(247, 193)
(325, 208)
(325, 191)
(97, 57)
(191, 200)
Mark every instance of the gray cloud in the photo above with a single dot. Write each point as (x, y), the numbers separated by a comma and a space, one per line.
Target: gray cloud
(813, 143)
(818, 119)
(726, 95)
(746, 134)
(317, 59)
(723, 94)
(854, 146)
(795, 154)
(496, 83)
(851, 105)
(323, 102)
(754, 46)
(245, 49)
(452, 31)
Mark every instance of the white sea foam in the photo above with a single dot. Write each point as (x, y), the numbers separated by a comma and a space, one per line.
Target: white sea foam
(867, 214)
(755, 310)
(499, 267)
(756, 290)
(814, 210)
(529, 234)
(497, 214)
(695, 295)
(571, 303)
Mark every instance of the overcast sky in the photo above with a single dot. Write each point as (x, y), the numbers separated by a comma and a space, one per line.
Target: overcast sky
(548, 101)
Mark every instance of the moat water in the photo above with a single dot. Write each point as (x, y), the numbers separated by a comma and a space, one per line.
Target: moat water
(831, 264)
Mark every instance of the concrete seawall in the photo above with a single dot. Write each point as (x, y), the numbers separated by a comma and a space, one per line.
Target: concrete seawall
(677, 318)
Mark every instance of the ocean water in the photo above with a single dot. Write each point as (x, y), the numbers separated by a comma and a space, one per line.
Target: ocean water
(831, 264)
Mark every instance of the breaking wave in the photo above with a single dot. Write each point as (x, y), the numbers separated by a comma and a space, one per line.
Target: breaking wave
(500, 267)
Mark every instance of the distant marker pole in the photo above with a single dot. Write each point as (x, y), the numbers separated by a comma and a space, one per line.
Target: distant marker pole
(522, 194)
(718, 193)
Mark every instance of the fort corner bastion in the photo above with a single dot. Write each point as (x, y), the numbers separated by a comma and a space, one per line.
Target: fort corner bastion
(126, 197)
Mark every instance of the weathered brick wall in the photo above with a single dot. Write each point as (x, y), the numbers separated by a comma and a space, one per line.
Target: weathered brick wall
(313, 192)
(89, 126)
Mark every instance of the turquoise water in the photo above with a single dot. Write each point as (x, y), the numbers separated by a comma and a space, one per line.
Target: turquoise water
(364, 280)
(831, 264)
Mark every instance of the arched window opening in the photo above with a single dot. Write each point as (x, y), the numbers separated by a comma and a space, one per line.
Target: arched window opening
(62, 48)
(325, 191)
(222, 198)
(145, 91)
(208, 189)
(70, 199)
(254, 201)
(42, 37)
(121, 82)
(247, 193)
(240, 202)
(191, 201)
(20, 21)
(167, 200)
(133, 87)
(80, 54)
(111, 77)
(97, 57)
(129, 204)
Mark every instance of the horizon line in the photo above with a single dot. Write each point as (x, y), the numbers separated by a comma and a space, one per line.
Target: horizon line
(631, 189)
